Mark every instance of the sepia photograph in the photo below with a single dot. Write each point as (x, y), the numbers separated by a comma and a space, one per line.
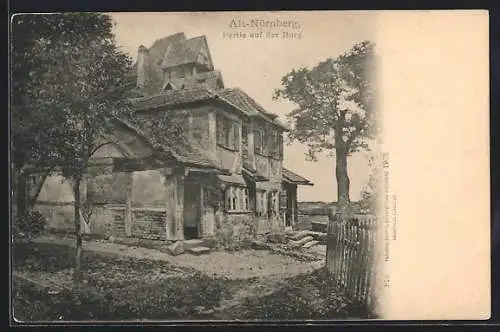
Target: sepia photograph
(227, 166)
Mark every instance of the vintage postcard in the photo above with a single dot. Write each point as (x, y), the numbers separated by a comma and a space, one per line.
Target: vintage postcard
(250, 166)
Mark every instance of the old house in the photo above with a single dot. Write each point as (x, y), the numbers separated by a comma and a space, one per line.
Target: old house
(142, 184)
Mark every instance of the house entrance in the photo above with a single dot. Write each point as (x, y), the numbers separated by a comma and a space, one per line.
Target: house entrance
(192, 210)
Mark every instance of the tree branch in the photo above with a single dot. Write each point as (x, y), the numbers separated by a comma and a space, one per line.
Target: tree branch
(94, 150)
(353, 135)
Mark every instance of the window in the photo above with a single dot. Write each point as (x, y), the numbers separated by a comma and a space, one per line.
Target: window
(280, 146)
(270, 142)
(237, 199)
(228, 133)
(275, 144)
(258, 141)
(244, 140)
(221, 130)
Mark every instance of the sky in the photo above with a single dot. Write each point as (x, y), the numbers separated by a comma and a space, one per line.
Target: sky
(257, 65)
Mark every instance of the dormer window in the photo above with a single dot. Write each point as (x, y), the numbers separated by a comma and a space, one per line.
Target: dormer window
(168, 86)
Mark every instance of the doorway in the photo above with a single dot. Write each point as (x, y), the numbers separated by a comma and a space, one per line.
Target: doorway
(192, 210)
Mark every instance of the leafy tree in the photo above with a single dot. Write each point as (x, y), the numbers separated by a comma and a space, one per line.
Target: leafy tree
(31, 130)
(75, 84)
(335, 110)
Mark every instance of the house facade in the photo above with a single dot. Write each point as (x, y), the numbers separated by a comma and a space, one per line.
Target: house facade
(227, 169)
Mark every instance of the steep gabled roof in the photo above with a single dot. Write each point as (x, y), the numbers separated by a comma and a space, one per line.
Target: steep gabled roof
(184, 52)
(176, 97)
(291, 177)
(252, 108)
(185, 153)
(153, 70)
(234, 97)
(209, 79)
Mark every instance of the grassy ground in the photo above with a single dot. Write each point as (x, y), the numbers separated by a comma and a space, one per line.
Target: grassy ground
(126, 288)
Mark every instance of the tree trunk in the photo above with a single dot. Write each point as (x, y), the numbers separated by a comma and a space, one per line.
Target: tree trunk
(21, 194)
(343, 182)
(78, 233)
(32, 198)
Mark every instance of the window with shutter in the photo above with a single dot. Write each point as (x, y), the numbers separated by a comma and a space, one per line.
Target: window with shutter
(221, 130)
(228, 133)
(237, 199)
(258, 141)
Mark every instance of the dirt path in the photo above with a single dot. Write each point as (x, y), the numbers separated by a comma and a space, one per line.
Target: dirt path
(243, 264)
(249, 273)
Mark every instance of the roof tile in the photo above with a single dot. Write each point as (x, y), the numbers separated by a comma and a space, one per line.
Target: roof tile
(294, 177)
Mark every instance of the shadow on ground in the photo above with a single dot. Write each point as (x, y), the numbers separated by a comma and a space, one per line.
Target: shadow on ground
(124, 288)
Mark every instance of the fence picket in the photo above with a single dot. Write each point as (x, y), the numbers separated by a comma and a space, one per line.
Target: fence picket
(350, 251)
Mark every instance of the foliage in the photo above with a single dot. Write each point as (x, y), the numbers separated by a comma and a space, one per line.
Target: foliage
(335, 108)
(227, 237)
(333, 98)
(31, 224)
(115, 288)
(246, 233)
(69, 74)
(309, 296)
(66, 77)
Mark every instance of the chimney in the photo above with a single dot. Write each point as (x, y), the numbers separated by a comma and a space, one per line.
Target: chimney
(142, 62)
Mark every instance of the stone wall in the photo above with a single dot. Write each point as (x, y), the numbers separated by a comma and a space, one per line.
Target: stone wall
(149, 224)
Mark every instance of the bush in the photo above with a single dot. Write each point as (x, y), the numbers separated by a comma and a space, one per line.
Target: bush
(31, 224)
(309, 296)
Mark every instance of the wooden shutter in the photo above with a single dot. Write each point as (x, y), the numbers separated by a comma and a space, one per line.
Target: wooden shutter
(244, 140)
(258, 141)
(220, 129)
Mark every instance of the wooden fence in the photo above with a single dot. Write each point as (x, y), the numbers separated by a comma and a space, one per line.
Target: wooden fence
(351, 256)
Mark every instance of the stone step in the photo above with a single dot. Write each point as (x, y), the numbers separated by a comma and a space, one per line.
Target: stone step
(310, 244)
(198, 250)
(192, 243)
(301, 242)
(298, 236)
(318, 236)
